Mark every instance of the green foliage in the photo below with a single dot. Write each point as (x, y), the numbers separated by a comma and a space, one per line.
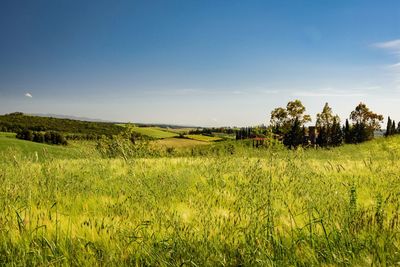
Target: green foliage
(51, 137)
(329, 130)
(16, 122)
(128, 144)
(282, 120)
(336, 133)
(389, 127)
(294, 137)
(365, 123)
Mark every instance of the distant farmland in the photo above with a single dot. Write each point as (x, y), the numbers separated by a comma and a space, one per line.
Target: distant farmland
(154, 132)
(203, 138)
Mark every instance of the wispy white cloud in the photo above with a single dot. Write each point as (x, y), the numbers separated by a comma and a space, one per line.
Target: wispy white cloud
(334, 92)
(390, 45)
(211, 92)
(393, 47)
(28, 95)
(396, 65)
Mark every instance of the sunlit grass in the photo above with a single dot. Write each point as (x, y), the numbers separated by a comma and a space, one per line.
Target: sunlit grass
(260, 207)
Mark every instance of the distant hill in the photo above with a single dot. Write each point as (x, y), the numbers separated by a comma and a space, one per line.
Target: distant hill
(14, 122)
(70, 117)
(17, 121)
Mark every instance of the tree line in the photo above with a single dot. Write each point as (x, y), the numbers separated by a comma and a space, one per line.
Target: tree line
(17, 122)
(50, 137)
(391, 128)
(289, 124)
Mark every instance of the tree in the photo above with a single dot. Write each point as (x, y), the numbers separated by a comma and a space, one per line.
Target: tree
(294, 137)
(393, 128)
(289, 122)
(336, 133)
(325, 123)
(388, 127)
(279, 120)
(366, 122)
(295, 110)
(323, 136)
(360, 133)
(38, 137)
(283, 119)
(326, 117)
(348, 135)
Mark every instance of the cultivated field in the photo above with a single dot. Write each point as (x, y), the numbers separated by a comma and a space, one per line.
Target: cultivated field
(203, 138)
(228, 205)
(179, 143)
(154, 132)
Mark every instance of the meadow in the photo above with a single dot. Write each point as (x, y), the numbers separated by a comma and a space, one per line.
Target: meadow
(154, 132)
(229, 205)
(203, 138)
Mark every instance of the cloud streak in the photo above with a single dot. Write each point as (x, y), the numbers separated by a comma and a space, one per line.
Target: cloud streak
(392, 47)
(334, 92)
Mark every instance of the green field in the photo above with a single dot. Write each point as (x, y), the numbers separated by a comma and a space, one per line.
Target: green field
(204, 138)
(249, 207)
(154, 132)
(9, 144)
(179, 142)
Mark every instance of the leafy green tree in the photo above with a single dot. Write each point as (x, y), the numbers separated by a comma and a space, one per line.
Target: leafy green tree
(294, 137)
(325, 123)
(366, 122)
(279, 120)
(282, 119)
(38, 137)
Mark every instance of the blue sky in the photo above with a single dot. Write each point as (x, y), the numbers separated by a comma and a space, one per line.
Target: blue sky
(209, 63)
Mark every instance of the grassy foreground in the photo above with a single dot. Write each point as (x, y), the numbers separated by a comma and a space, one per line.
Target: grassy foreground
(252, 208)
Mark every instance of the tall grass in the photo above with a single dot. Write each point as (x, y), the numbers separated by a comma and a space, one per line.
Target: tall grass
(219, 205)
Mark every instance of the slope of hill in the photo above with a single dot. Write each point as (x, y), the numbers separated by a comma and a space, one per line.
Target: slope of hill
(9, 144)
(70, 117)
(17, 121)
(154, 132)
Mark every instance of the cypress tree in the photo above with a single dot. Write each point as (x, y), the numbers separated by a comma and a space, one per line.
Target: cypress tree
(322, 139)
(388, 127)
(393, 129)
(348, 135)
(306, 139)
(294, 137)
(360, 133)
(336, 134)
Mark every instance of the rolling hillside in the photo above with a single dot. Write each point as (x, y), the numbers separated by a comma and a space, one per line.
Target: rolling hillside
(17, 121)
